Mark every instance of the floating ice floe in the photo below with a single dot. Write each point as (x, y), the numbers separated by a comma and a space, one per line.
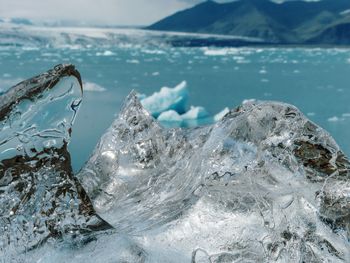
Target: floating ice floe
(106, 53)
(170, 107)
(263, 71)
(264, 184)
(133, 61)
(335, 119)
(221, 114)
(167, 99)
(343, 117)
(153, 51)
(193, 117)
(93, 87)
(220, 51)
(170, 116)
(195, 113)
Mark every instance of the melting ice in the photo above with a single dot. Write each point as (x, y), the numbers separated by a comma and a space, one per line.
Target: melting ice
(264, 184)
(40, 199)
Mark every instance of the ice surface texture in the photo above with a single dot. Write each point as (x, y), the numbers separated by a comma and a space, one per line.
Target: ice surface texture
(264, 184)
(40, 199)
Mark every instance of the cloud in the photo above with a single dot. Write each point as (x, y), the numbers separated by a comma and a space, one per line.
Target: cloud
(199, 1)
(122, 12)
(113, 12)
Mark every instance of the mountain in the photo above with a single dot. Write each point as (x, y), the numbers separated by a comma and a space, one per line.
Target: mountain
(291, 22)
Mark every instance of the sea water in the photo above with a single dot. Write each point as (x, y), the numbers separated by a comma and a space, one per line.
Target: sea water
(262, 183)
(316, 80)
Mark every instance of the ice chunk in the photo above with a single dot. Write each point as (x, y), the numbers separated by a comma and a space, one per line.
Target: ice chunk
(133, 61)
(127, 159)
(195, 113)
(264, 184)
(167, 99)
(106, 53)
(249, 101)
(40, 199)
(93, 87)
(194, 117)
(221, 114)
(39, 113)
(171, 116)
(221, 51)
(335, 119)
(169, 106)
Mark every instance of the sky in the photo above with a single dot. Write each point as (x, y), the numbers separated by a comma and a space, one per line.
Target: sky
(97, 12)
(112, 12)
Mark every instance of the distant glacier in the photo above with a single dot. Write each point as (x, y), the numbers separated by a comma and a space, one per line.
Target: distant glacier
(74, 37)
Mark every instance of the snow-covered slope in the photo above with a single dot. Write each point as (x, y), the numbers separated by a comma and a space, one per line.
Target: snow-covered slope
(78, 37)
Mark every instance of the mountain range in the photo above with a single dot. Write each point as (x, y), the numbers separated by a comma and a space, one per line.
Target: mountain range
(292, 22)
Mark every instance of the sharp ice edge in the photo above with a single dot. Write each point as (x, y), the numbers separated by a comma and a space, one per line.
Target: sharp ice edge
(264, 184)
(40, 199)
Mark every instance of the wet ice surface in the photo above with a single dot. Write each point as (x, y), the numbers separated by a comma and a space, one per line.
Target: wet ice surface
(264, 184)
(40, 200)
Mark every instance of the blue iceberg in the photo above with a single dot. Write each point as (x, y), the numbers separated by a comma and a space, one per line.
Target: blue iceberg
(170, 107)
(195, 113)
(221, 114)
(170, 115)
(167, 99)
(193, 117)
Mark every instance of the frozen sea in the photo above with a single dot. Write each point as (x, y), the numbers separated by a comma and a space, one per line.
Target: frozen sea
(315, 80)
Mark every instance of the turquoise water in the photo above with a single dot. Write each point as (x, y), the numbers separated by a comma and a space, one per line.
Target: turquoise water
(317, 81)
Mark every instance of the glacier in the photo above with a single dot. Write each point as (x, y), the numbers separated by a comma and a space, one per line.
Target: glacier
(39, 36)
(263, 184)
